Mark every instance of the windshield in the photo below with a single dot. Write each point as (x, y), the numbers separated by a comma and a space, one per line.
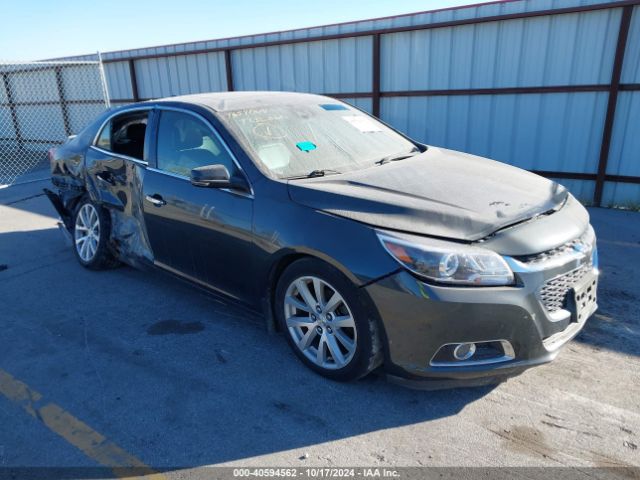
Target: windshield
(296, 140)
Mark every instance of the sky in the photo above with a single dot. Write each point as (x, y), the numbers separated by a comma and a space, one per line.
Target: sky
(40, 29)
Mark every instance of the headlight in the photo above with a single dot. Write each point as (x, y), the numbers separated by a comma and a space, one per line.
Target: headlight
(449, 262)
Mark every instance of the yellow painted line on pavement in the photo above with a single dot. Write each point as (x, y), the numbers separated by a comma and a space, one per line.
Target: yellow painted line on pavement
(74, 431)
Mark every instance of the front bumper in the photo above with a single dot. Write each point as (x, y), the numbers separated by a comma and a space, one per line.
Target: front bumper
(420, 318)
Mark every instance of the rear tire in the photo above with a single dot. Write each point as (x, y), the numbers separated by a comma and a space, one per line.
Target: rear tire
(326, 324)
(90, 235)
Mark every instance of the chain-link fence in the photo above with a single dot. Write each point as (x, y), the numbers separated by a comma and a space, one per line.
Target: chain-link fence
(41, 104)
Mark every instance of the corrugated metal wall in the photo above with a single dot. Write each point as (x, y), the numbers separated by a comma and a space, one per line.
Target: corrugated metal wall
(331, 66)
(624, 157)
(496, 80)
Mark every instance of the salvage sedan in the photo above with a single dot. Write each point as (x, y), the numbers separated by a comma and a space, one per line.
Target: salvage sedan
(365, 248)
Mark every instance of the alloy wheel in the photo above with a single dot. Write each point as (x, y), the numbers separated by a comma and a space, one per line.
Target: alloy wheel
(320, 322)
(87, 232)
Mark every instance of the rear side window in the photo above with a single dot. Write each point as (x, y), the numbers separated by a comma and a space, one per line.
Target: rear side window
(185, 143)
(125, 134)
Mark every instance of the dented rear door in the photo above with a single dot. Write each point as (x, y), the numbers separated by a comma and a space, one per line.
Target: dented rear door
(115, 164)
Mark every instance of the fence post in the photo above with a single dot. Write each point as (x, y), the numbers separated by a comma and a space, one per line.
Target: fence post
(375, 82)
(12, 109)
(63, 102)
(614, 88)
(134, 80)
(228, 69)
(103, 79)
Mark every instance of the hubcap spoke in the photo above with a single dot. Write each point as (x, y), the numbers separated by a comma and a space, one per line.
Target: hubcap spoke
(305, 293)
(344, 340)
(321, 356)
(83, 249)
(294, 302)
(333, 302)
(318, 290)
(83, 214)
(334, 349)
(307, 338)
(343, 321)
(300, 322)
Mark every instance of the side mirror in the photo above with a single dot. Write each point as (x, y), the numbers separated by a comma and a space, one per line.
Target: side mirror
(215, 176)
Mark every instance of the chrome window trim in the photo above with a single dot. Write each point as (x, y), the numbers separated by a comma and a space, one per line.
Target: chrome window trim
(169, 174)
(114, 114)
(220, 139)
(119, 155)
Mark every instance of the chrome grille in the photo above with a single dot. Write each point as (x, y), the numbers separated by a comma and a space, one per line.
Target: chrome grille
(554, 292)
(566, 248)
(549, 254)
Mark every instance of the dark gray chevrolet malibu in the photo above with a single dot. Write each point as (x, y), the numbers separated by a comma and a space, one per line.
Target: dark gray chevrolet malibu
(365, 248)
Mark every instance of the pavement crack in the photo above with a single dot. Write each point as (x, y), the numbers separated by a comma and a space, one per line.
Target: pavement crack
(25, 199)
(562, 427)
(39, 267)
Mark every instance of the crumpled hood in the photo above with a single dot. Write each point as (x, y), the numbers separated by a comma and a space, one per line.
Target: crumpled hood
(440, 192)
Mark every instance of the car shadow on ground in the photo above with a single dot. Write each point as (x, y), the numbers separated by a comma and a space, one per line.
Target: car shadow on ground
(173, 375)
(180, 378)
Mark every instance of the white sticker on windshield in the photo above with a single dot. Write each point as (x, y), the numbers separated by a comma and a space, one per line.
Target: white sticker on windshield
(362, 123)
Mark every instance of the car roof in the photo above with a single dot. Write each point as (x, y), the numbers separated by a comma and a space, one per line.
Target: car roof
(230, 101)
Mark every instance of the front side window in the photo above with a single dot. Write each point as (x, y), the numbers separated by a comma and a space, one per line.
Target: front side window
(185, 143)
(295, 139)
(125, 134)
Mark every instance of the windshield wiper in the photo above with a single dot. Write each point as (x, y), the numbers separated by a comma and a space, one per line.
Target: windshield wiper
(395, 157)
(316, 173)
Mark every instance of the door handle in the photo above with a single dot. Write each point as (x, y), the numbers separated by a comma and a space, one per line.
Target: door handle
(156, 199)
(105, 177)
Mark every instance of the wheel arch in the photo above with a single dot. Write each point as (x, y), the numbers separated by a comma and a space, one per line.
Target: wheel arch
(285, 258)
(280, 262)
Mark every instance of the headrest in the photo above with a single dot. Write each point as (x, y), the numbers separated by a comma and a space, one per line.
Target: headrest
(136, 131)
(200, 157)
(192, 138)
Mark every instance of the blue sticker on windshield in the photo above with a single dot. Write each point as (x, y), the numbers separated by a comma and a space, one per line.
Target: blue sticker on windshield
(334, 106)
(306, 146)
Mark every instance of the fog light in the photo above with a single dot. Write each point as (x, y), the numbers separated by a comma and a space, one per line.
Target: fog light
(464, 351)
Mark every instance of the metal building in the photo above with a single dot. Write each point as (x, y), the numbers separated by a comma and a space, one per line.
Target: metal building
(551, 86)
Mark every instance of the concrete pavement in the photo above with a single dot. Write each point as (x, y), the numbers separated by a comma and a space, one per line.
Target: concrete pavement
(179, 379)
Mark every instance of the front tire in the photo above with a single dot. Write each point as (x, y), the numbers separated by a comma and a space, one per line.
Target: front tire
(327, 326)
(91, 231)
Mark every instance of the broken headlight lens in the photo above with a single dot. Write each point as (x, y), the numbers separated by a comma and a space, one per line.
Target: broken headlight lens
(448, 262)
